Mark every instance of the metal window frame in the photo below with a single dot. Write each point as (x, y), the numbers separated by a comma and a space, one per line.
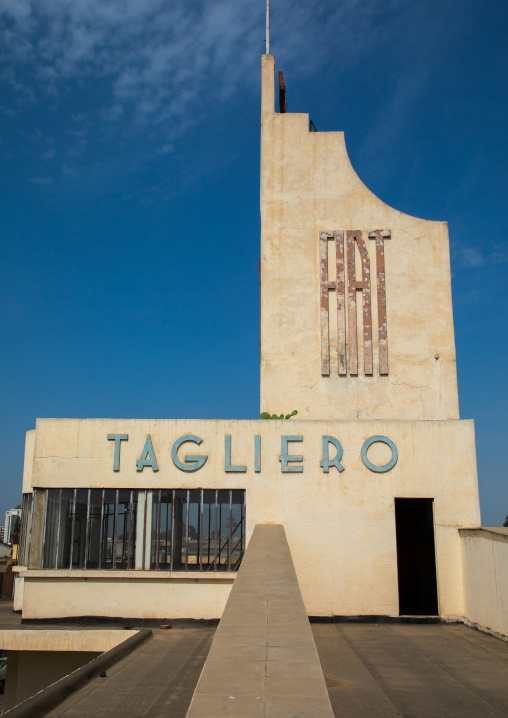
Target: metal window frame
(72, 528)
(143, 557)
(43, 547)
(129, 533)
(59, 521)
(32, 512)
(172, 528)
(115, 529)
(128, 557)
(187, 532)
(87, 529)
(101, 532)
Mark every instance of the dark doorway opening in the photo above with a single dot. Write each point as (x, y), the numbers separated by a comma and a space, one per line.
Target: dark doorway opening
(416, 558)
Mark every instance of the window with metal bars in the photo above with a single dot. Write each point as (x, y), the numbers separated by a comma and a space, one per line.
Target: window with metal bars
(197, 529)
(127, 529)
(25, 532)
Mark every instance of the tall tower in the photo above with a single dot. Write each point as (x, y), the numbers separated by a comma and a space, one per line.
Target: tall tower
(356, 307)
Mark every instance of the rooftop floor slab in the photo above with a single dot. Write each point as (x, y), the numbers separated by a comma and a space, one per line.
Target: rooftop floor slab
(158, 679)
(414, 671)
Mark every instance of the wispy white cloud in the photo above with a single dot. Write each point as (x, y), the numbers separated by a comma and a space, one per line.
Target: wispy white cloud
(8, 111)
(33, 137)
(68, 171)
(40, 180)
(160, 61)
(112, 112)
(166, 149)
(471, 257)
(500, 256)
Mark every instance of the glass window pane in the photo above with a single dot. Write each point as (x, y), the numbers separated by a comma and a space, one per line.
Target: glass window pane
(125, 529)
(64, 553)
(179, 531)
(193, 539)
(108, 526)
(79, 534)
(155, 530)
(165, 529)
(238, 528)
(94, 529)
(186, 530)
(51, 530)
(224, 526)
(208, 539)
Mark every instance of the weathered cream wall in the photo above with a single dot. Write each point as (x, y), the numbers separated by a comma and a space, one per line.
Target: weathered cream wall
(18, 588)
(485, 572)
(340, 527)
(307, 186)
(28, 672)
(121, 596)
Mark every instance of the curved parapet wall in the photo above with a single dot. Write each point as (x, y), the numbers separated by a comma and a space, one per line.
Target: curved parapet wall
(333, 256)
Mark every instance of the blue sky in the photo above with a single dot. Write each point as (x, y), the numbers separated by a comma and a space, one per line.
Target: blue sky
(129, 147)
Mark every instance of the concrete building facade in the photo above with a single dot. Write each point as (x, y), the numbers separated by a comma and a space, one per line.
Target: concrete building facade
(375, 482)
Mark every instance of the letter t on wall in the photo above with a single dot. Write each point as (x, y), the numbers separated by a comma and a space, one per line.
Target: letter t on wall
(380, 235)
(117, 438)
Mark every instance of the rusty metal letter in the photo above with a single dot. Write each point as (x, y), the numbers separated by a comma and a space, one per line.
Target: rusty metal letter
(326, 285)
(355, 236)
(341, 302)
(380, 235)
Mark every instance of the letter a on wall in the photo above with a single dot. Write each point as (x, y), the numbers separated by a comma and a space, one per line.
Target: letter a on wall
(147, 456)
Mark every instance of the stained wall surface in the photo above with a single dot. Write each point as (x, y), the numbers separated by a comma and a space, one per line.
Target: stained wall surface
(485, 572)
(308, 186)
(119, 594)
(340, 525)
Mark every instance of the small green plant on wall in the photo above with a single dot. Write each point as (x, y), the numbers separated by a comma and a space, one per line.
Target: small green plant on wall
(267, 415)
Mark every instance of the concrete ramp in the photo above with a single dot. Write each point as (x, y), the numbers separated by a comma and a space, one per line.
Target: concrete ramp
(263, 660)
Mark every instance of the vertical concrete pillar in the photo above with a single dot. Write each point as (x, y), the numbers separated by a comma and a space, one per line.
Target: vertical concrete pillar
(144, 531)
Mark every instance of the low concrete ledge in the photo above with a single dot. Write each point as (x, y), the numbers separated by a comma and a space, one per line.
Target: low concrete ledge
(381, 618)
(126, 623)
(99, 640)
(43, 702)
(263, 662)
(500, 531)
(485, 577)
(90, 574)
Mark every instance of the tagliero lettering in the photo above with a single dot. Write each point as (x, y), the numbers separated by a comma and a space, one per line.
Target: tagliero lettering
(289, 462)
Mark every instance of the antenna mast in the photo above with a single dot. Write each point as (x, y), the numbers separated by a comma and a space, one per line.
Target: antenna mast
(267, 27)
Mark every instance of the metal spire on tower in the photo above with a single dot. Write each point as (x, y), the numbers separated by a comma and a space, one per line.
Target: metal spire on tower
(267, 27)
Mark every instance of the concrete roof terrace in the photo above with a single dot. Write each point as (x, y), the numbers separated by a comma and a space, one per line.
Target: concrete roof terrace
(415, 670)
(381, 670)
